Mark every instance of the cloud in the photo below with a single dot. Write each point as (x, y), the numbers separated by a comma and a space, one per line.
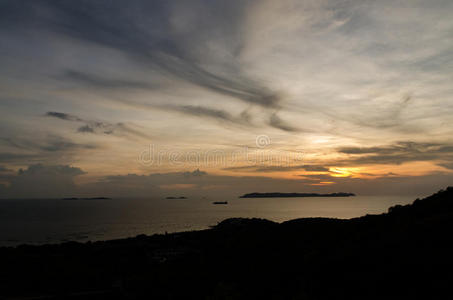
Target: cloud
(16, 157)
(62, 116)
(308, 168)
(40, 148)
(315, 168)
(85, 128)
(101, 82)
(50, 143)
(207, 112)
(56, 170)
(98, 127)
(398, 153)
(173, 37)
(196, 173)
(277, 122)
(448, 165)
(4, 169)
(204, 112)
(62, 144)
(177, 186)
(39, 181)
(389, 116)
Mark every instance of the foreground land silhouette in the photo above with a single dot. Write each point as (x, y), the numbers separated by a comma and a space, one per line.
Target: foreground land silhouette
(403, 254)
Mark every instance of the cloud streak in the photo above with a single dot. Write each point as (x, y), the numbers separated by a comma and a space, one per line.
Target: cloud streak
(243, 118)
(277, 122)
(98, 127)
(51, 143)
(276, 168)
(95, 81)
(62, 116)
(398, 153)
(149, 33)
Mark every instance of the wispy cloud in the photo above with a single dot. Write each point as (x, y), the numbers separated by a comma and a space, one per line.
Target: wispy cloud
(105, 83)
(51, 143)
(47, 148)
(277, 168)
(212, 113)
(398, 153)
(154, 34)
(99, 127)
(62, 116)
(277, 122)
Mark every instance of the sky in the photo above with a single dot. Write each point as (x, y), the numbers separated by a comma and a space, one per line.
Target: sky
(206, 97)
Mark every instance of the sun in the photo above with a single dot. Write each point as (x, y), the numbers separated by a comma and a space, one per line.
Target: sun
(343, 172)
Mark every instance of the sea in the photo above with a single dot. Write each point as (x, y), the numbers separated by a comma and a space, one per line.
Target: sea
(47, 221)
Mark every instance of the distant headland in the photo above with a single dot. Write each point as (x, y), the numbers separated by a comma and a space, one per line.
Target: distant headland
(294, 195)
(182, 197)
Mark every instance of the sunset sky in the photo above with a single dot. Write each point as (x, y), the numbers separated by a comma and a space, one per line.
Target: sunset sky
(204, 97)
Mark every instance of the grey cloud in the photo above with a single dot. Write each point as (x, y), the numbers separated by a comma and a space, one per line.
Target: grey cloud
(196, 173)
(240, 168)
(448, 165)
(16, 157)
(33, 149)
(277, 122)
(398, 153)
(101, 82)
(207, 112)
(319, 177)
(4, 169)
(38, 181)
(98, 127)
(62, 116)
(308, 168)
(55, 143)
(56, 170)
(388, 116)
(126, 129)
(50, 143)
(149, 33)
(315, 168)
(85, 128)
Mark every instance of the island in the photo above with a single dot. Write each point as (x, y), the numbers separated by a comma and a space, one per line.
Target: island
(172, 198)
(295, 195)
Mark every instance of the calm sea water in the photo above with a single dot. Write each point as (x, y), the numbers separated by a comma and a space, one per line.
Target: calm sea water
(42, 221)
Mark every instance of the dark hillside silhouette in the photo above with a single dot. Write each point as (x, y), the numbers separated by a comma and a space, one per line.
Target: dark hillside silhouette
(406, 253)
